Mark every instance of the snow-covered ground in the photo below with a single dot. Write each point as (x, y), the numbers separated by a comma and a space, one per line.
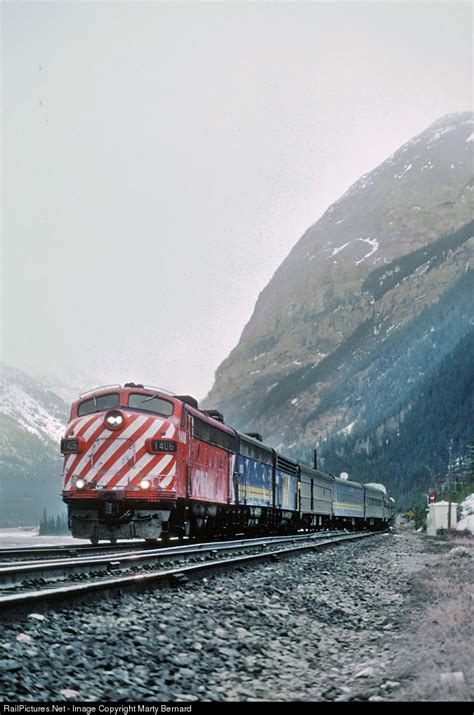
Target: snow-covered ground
(467, 515)
(11, 538)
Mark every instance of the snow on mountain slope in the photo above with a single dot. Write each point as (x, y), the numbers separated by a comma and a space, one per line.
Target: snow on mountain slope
(34, 408)
(32, 422)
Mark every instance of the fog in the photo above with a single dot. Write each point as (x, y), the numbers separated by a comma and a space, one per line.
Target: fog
(160, 160)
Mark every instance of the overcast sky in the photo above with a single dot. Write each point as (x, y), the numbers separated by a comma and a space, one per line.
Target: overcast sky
(160, 160)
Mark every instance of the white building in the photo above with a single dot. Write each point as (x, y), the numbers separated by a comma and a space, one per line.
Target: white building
(438, 517)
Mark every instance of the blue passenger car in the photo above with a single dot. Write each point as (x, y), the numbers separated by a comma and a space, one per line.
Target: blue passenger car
(286, 483)
(254, 467)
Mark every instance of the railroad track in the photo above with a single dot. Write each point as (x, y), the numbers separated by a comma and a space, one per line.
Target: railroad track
(70, 550)
(67, 566)
(33, 553)
(40, 583)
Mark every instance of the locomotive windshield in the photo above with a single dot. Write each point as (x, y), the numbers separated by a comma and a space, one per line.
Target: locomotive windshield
(150, 403)
(98, 404)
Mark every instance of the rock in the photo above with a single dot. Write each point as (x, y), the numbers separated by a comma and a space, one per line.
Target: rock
(303, 644)
(68, 693)
(390, 684)
(186, 673)
(367, 672)
(184, 658)
(230, 652)
(449, 679)
(24, 638)
(9, 666)
(186, 697)
(460, 552)
(243, 634)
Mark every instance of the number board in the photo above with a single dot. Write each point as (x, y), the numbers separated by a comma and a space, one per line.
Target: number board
(163, 445)
(69, 445)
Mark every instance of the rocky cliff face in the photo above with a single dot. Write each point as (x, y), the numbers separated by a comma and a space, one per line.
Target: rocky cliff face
(371, 298)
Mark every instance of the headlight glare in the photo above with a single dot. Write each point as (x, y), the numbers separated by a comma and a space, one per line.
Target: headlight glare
(114, 420)
(80, 483)
(145, 484)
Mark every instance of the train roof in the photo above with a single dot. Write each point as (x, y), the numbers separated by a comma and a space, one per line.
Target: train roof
(161, 392)
(356, 485)
(206, 418)
(290, 460)
(305, 469)
(376, 487)
(105, 389)
(251, 440)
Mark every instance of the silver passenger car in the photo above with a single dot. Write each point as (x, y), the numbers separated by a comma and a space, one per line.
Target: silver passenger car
(315, 496)
(374, 503)
(348, 501)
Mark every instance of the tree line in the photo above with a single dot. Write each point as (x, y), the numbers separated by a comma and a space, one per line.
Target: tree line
(53, 525)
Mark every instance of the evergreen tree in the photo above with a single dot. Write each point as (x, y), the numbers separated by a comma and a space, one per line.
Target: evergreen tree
(43, 525)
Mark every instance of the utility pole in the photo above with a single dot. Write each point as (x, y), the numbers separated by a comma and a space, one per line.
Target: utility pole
(432, 477)
(449, 481)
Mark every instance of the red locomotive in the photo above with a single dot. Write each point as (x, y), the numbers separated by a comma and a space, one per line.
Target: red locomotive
(140, 463)
(143, 463)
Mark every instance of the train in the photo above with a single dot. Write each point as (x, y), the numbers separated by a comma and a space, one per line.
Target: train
(144, 463)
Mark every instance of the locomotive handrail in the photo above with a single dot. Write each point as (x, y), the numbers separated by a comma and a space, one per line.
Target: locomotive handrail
(102, 387)
(159, 389)
(141, 387)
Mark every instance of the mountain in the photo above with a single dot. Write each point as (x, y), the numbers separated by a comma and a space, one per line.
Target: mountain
(32, 421)
(410, 445)
(367, 304)
(68, 386)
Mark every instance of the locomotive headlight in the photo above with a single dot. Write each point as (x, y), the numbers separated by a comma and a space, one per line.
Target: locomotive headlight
(145, 484)
(80, 483)
(114, 420)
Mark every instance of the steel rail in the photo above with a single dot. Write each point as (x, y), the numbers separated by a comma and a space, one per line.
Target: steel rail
(169, 577)
(8, 555)
(70, 549)
(12, 575)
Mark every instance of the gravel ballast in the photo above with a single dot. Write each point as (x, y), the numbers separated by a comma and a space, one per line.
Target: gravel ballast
(322, 626)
